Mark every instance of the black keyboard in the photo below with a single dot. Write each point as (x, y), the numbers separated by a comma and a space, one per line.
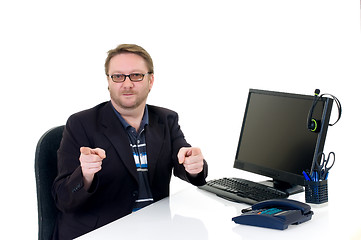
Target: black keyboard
(241, 190)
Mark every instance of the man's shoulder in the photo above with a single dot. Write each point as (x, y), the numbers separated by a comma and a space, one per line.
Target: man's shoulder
(90, 113)
(161, 111)
(162, 115)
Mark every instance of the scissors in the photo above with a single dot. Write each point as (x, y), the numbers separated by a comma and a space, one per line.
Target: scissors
(323, 167)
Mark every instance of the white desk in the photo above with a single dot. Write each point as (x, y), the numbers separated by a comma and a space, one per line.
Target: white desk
(196, 214)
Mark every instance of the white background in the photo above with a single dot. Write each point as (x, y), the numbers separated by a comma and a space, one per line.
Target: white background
(207, 55)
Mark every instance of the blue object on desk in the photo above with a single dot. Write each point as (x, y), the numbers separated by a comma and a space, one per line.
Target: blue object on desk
(307, 177)
(314, 176)
(276, 214)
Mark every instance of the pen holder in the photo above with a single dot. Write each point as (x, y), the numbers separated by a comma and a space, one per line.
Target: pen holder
(316, 192)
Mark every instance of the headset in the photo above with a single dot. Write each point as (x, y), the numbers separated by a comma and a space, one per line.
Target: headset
(313, 124)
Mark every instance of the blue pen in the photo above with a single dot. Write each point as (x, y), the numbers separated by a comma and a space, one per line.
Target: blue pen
(306, 176)
(314, 176)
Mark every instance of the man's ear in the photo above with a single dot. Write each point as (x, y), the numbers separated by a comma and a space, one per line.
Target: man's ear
(151, 81)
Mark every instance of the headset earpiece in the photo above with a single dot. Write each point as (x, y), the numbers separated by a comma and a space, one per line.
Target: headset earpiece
(312, 124)
(315, 125)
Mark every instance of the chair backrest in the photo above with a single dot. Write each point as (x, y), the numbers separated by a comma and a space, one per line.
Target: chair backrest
(45, 173)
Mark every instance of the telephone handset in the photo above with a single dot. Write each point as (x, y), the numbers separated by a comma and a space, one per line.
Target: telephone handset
(276, 214)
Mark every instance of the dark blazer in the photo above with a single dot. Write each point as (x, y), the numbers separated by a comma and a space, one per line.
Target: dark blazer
(115, 187)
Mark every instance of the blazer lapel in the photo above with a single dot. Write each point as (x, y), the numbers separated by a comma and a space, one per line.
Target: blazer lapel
(154, 138)
(117, 135)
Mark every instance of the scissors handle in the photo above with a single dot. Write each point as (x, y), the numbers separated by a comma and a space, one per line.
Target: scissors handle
(321, 168)
(328, 159)
(325, 167)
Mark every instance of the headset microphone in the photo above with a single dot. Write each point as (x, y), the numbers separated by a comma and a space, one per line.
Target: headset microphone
(317, 92)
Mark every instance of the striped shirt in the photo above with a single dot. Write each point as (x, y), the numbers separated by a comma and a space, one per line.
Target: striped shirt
(138, 145)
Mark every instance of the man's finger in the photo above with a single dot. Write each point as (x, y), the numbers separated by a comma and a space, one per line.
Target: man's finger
(183, 153)
(100, 152)
(85, 150)
(97, 151)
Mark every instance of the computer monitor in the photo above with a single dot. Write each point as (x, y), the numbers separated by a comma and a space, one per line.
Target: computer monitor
(275, 140)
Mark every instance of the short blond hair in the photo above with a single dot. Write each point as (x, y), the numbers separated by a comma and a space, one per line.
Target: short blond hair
(129, 48)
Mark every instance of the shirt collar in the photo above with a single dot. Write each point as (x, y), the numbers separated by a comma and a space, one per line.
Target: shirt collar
(126, 125)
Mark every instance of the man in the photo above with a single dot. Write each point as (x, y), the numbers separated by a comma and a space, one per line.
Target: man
(118, 157)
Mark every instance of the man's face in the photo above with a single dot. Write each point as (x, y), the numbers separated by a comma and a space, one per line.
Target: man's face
(129, 95)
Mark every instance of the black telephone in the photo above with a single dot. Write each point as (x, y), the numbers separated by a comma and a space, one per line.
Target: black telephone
(276, 214)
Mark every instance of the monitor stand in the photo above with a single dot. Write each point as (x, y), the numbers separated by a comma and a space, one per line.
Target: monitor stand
(283, 186)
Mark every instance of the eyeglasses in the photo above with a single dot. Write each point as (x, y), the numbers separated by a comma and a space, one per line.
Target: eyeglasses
(134, 77)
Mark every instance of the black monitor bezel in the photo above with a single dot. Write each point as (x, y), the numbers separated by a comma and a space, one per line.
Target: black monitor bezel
(278, 175)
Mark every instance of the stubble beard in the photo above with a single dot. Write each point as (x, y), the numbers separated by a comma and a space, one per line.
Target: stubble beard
(140, 100)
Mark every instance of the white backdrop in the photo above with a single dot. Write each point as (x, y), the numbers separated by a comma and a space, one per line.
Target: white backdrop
(207, 55)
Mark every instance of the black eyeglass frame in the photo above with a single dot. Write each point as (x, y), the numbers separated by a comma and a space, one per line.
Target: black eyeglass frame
(129, 76)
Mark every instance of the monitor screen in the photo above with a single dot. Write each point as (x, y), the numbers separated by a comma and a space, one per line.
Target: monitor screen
(275, 140)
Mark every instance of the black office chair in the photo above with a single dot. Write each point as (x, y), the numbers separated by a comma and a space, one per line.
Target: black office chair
(45, 173)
